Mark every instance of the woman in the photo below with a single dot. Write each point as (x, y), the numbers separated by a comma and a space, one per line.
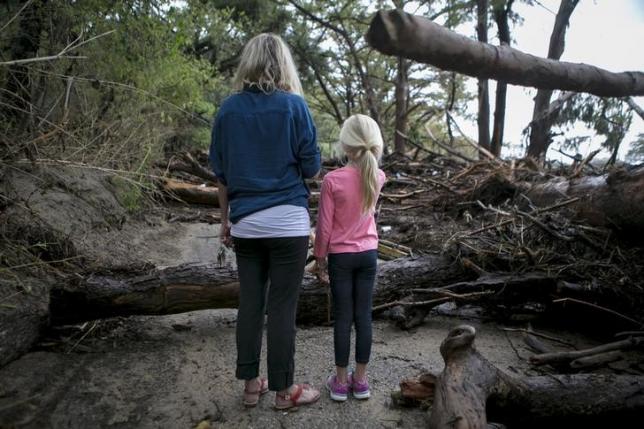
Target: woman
(263, 147)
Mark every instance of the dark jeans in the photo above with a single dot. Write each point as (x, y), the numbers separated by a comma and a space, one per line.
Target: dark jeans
(352, 276)
(276, 264)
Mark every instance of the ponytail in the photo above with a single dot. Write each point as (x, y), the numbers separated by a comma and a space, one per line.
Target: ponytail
(361, 140)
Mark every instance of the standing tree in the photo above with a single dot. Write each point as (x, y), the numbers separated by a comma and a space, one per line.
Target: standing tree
(483, 91)
(501, 10)
(540, 126)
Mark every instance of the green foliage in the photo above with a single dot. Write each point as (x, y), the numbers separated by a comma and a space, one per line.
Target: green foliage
(636, 152)
(610, 118)
(127, 194)
(137, 87)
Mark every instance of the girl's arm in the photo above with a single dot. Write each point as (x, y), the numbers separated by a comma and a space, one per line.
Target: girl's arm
(324, 225)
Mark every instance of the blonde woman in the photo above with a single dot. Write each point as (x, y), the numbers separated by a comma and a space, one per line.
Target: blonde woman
(346, 233)
(263, 146)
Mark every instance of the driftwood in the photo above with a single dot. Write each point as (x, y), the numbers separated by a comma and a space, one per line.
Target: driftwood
(190, 193)
(470, 389)
(195, 287)
(187, 164)
(568, 357)
(407, 287)
(615, 199)
(403, 35)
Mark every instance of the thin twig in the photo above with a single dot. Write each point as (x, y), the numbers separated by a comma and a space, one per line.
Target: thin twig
(27, 3)
(538, 211)
(94, 325)
(537, 334)
(598, 307)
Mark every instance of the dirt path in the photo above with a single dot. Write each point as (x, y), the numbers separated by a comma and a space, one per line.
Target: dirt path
(177, 371)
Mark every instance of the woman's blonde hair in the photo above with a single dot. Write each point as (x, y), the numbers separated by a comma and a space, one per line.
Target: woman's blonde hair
(266, 63)
(361, 140)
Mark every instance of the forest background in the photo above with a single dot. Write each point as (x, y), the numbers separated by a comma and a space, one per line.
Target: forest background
(123, 84)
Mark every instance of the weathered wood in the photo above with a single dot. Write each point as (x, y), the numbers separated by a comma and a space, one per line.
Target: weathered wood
(191, 193)
(469, 388)
(195, 287)
(559, 357)
(401, 34)
(463, 387)
(189, 165)
(615, 200)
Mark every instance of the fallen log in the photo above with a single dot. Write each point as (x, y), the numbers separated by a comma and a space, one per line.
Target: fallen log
(190, 193)
(470, 388)
(196, 287)
(401, 34)
(615, 199)
(567, 357)
(414, 284)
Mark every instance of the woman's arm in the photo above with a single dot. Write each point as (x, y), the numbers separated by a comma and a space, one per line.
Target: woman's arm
(224, 231)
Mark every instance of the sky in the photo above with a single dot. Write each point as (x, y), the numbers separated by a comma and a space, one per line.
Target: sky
(604, 33)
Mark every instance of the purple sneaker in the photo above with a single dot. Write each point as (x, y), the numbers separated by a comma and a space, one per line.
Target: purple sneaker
(338, 391)
(360, 388)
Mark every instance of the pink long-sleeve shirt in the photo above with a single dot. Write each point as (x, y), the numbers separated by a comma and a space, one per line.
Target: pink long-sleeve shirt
(342, 227)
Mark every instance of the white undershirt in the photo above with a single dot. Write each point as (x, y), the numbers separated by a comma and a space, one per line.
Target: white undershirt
(273, 222)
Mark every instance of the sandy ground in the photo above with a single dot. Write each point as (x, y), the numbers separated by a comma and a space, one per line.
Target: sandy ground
(177, 371)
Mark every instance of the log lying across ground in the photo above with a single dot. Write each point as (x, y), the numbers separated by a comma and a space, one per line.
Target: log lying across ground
(401, 34)
(615, 199)
(196, 287)
(190, 193)
(470, 389)
(407, 285)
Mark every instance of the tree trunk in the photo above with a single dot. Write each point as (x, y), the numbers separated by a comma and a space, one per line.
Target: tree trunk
(541, 123)
(398, 33)
(470, 387)
(189, 287)
(401, 106)
(483, 118)
(25, 44)
(191, 193)
(501, 12)
(615, 200)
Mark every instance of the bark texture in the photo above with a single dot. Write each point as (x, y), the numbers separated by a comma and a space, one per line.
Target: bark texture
(398, 33)
(470, 389)
(541, 123)
(196, 287)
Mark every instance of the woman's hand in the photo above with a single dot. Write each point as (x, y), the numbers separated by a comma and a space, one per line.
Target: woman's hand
(322, 272)
(224, 235)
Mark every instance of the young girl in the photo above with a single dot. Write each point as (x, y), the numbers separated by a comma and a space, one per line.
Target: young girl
(263, 145)
(346, 232)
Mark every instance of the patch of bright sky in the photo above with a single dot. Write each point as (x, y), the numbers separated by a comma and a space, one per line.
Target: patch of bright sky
(604, 33)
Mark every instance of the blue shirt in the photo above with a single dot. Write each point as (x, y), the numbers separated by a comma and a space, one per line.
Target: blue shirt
(263, 146)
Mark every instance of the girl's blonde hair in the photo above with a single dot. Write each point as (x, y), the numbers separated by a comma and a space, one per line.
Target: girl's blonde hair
(361, 140)
(266, 63)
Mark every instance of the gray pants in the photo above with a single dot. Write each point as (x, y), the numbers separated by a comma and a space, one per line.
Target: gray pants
(279, 262)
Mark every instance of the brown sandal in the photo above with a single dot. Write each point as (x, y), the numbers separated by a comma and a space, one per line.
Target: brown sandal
(292, 401)
(251, 397)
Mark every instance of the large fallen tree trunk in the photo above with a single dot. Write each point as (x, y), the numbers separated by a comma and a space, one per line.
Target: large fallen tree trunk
(401, 34)
(195, 287)
(615, 200)
(470, 388)
(408, 287)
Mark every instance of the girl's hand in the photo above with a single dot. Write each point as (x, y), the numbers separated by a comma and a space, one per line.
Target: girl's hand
(323, 275)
